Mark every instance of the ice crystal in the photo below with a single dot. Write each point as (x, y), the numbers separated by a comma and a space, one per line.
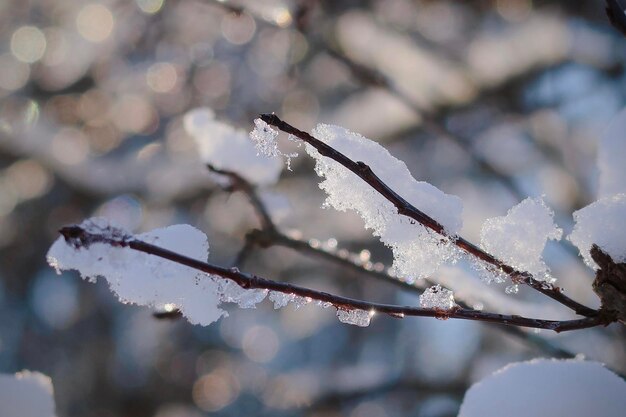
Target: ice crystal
(143, 279)
(264, 138)
(437, 297)
(512, 289)
(355, 317)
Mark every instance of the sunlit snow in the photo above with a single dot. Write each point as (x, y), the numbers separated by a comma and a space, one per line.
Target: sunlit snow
(418, 252)
(355, 317)
(138, 278)
(599, 223)
(519, 238)
(437, 297)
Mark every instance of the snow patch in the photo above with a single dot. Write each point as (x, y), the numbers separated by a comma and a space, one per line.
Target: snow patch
(519, 238)
(547, 388)
(601, 223)
(418, 251)
(26, 394)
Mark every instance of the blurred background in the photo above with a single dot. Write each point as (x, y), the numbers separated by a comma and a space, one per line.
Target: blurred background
(491, 100)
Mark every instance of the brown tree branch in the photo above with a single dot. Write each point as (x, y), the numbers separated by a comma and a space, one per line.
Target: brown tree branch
(78, 237)
(271, 237)
(364, 172)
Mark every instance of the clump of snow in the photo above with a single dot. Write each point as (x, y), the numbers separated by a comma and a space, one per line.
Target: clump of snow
(418, 252)
(230, 292)
(437, 297)
(264, 138)
(280, 299)
(518, 239)
(26, 394)
(601, 223)
(230, 149)
(611, 157)
(547, 388)
(355, 317)
(488, 272)
(143, 279)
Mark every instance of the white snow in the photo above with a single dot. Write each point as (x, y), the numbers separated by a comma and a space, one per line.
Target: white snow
(519, 238)
(611, 157)
(264, 138)
(547, 388)
(601, 223)
(265, 141)
(144, 279)
(26, 394)
(355, 317)
(437, 297)
(418, 252)
(230, 149)
(281, 299)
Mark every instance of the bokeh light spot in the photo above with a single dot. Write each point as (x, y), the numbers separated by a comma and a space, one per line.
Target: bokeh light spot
(28, 44)
(95, 22)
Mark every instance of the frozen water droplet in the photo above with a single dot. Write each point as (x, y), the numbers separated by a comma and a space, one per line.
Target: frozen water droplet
(437, 297)
(280, 299)
(512, 289)
(355, 317)
(264, 138)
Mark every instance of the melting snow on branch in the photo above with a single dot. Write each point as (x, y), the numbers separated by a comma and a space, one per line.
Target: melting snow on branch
(418, 252)
(437, 297)
(264, 138)
(601, 223)
(26, 394)
(547, 388)
(144, 279)
(518, 239)
(230, 149)
(355, 317)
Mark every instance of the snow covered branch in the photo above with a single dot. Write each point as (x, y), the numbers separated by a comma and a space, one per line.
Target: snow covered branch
(403, 207)
(80, 238)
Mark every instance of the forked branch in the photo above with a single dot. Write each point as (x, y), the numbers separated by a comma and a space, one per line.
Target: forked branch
(364, 172)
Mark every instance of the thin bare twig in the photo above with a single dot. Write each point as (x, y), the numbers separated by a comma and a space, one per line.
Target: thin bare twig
(364, 172)
(79, 237)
